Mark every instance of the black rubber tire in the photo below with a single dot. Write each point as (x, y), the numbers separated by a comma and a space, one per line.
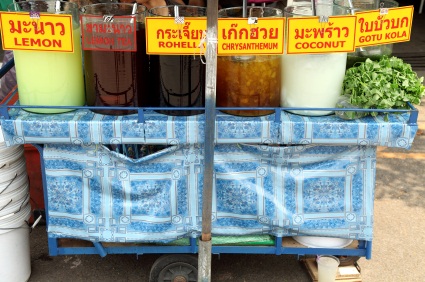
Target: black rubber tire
(167, 268)
(347, 260)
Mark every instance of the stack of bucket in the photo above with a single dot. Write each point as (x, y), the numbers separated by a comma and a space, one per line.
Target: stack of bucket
(15, 210)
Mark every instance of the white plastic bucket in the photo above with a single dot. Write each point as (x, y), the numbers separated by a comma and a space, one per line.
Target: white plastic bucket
(15, 258)
(10, 172)
(9, 155)
(19, 182)
(13, 196)
(15, 220)
(13, 207)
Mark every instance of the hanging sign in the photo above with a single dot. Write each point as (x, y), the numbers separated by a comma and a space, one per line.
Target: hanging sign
(176, 36)
(250, 36)
(35, 31)
(312, 35)
(384, 26)
(109, 33)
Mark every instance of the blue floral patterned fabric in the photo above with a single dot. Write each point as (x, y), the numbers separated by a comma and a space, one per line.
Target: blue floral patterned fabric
(86, 127)
(100, 195)
(290, 176)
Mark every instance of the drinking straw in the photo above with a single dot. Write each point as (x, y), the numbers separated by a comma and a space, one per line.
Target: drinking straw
(16, 5)
(57, 6)
(176, 11)
(350, 4)
(313, 7)
(133, 12)
(244, 5)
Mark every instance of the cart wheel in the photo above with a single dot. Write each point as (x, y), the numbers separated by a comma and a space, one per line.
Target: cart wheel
(347, 260)
(174, 268)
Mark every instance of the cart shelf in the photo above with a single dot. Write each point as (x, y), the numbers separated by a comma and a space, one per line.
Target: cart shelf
(85, 127)
(277, 246)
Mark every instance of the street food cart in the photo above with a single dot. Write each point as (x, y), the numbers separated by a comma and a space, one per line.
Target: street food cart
(153, 183)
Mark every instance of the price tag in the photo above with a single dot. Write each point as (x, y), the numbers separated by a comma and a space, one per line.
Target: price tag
(252, 36)
(41, 32)
(379, 27)
(312, 35)
(168, 37)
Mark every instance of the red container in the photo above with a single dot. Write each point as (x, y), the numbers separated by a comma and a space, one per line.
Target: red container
(32, 157)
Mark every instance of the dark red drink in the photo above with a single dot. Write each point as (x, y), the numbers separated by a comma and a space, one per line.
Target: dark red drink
(145, 96)
(111, 80)
(178, 81)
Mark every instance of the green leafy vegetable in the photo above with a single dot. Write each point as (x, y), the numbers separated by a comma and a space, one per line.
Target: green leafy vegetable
(385, 84)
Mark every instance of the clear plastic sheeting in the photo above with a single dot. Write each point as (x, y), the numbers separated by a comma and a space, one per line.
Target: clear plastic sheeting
(317, 190)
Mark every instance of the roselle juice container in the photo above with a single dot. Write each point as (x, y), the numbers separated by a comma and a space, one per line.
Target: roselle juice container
(178, 80)
(312, 80)
(249, 80)
(113, 72)
(49, 78)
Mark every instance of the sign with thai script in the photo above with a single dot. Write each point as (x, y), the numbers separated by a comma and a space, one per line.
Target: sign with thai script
(261, 36)
(376, 27)
(42, 32)
(165, 36)
(109, 33)
(313, 35)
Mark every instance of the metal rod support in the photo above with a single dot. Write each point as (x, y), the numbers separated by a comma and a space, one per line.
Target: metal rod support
(204, 256)
(204, 261)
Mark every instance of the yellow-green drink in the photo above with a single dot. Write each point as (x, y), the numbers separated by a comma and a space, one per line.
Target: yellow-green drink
(50, 78)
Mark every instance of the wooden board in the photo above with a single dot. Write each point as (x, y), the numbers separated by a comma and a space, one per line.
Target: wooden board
(348, 273)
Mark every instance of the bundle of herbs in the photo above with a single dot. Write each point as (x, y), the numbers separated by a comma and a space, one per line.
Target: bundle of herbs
(385, 84)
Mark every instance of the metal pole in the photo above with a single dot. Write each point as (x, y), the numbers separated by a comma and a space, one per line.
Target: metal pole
(204, 256)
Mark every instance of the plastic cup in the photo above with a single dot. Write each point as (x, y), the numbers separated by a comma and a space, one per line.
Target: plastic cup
(328, 268)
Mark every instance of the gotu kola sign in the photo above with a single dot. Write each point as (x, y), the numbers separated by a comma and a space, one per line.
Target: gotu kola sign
(383, 26)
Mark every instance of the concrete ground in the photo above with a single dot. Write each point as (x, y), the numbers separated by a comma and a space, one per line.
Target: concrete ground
(399, 236)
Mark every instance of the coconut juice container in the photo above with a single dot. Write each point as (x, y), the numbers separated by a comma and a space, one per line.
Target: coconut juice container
(312, 80)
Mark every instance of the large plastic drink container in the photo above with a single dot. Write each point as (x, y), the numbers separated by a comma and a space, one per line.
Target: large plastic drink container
(50, 78)
(372, 52)
(312, 80)
(115, 71)
(178, 80)
(249, 80)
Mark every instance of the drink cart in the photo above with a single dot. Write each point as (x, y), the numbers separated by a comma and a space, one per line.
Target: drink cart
(268, 174)
(150, 183)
